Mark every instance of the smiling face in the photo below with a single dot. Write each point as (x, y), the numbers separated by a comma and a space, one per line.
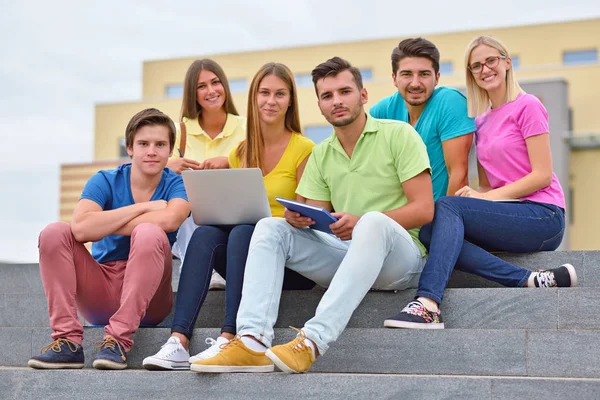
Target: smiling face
(415, 80)
(339, 99)
(150, 150)
(492, 78)
(273, 99)
(210, 92)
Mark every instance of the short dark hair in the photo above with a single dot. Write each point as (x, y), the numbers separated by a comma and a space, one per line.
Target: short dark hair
(415, 47)
(149, 116)
(333, 67)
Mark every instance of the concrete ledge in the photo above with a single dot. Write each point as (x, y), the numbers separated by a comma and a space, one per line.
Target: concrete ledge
(539, 353)
(24, 383)
(499, 308)
(25, 278)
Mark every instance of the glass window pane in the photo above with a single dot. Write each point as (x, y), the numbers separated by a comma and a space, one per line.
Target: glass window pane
(580, 57)
(367, 74)
(446, 68)
(238, 85)
(122, 149)
(318, 133)
(175, 90)
(303, 80)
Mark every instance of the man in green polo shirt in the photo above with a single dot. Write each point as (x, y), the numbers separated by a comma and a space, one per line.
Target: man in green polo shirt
(376, 175)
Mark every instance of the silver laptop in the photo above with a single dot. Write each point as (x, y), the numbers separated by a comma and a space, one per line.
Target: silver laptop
(226, 196)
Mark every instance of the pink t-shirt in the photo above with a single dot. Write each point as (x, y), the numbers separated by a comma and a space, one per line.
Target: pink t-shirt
(501, 147)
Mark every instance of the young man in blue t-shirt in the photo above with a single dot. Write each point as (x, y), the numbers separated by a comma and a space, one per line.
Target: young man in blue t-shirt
(439, 115)
(131, 214)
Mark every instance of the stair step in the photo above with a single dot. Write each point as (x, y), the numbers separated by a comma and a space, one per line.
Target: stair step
(24, 383)
(516, 352)
(25, 278)
(498, 308)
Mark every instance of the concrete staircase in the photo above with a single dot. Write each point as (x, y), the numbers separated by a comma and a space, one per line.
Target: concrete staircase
(498, 343)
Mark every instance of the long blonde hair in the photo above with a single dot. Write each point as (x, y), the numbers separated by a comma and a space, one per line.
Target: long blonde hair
(478, 99)
(189, 106)
(250, 151)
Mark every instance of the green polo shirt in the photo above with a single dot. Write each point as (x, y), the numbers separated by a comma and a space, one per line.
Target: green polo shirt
(387, 153)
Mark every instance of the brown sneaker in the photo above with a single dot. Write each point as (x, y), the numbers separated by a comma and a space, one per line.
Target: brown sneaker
(234, 357)
(294, 357)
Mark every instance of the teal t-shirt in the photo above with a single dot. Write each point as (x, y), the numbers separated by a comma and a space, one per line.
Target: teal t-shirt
(444, 117)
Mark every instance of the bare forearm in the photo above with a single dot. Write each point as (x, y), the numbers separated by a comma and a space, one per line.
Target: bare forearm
(412, 215)
(167, 220)
(457, 178)
(530, 183)
(93, 226)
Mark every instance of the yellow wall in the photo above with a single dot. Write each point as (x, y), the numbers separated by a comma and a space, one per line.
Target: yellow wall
(72, 180)
(585, 182)
(539, 47)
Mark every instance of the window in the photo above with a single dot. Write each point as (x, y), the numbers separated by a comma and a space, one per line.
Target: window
(580, 57)
(367, 74)
(318, 133)
(446, 68)
(122, 149)
(175, 90)
(238, 85)
(516, 62)
(303, 80)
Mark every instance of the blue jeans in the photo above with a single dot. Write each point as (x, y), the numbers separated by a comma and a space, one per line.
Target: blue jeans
(464, 231)
(225, 249)
(380, 255)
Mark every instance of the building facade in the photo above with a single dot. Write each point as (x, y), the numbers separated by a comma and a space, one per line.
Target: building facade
(558, 52)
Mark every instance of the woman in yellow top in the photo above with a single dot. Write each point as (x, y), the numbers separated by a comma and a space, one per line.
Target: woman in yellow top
(210, 128)
(275, 145)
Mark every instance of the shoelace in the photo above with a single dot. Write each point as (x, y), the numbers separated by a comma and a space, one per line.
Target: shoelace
(56, 346)
(298, 345)
(414, 308)
(546, 279)
(163, 349)
(233, 342)
(110, 343)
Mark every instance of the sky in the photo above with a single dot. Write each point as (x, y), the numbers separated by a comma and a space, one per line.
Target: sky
(58, 59)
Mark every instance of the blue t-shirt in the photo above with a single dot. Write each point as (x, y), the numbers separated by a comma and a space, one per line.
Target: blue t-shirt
(111, 189)
(444, 117)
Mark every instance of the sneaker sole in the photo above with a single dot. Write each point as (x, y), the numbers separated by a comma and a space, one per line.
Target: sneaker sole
(392, 323)
(46, 365)
(107, 364)
(219, 369)
(280, 364)
(162, 365)
(216, 286)
(572, 274)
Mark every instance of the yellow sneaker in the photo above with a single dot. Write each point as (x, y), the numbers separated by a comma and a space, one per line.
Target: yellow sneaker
(234, 357)
(293, 357)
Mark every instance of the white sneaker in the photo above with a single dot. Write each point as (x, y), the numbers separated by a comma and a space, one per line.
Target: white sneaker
(213, 350)
(216, 282)
(172, 355)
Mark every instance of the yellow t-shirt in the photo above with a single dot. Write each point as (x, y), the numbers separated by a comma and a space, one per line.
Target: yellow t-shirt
(281, 181)
(199, 146)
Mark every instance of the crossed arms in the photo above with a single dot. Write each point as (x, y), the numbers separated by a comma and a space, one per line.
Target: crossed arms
(90, 223)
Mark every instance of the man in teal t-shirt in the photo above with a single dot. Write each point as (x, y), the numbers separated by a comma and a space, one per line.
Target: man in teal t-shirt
(439, 115)
(376, 175)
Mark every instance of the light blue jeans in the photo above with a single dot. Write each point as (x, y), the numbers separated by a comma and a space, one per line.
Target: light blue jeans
(381, 255)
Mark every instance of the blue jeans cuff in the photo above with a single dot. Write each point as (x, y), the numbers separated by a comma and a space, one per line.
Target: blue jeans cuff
(429, 295)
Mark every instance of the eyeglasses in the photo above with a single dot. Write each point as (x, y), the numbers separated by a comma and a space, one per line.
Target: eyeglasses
(490, 62)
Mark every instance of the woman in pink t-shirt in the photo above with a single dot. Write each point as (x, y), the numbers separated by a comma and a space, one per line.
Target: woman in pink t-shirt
(519, 206)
